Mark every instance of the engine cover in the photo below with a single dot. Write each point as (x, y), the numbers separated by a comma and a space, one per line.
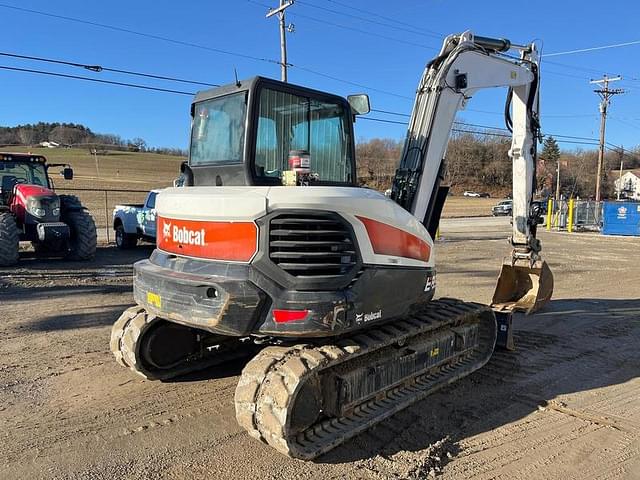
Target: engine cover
(284, 261)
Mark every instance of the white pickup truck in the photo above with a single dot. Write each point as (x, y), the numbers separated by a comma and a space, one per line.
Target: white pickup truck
(133, 222)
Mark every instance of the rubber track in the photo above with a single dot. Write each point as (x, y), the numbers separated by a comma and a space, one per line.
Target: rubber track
(9, 240)
(269, 383)
(84, 237)
(132, 326)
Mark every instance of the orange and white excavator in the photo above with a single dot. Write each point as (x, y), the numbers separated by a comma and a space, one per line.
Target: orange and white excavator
(270, 250)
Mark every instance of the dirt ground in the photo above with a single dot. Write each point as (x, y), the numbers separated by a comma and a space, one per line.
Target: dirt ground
(565, 405)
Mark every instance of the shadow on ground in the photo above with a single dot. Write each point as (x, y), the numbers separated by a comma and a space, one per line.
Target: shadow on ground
(111, 265)
(91, 317)
(106, 256)
(572, 346)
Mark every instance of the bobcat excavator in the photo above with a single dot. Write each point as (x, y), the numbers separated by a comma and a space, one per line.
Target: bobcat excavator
(271, 250)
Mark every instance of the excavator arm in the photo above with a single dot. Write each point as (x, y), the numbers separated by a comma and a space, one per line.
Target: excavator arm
(466, 64)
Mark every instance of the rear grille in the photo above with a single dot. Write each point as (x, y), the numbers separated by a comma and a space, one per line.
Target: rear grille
(312, 246)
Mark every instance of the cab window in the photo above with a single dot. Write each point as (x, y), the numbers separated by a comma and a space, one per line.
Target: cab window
(151, 201)
(289, 122)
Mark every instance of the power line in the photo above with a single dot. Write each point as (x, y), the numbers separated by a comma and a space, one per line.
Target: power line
(97, 80)
(193, 45)
(357, 17)
(165, 90)
(472, 132)
(348, 82)
(591, 49)
(242, 55)
(346, 27)
(100, 68)
(574, 139)
(368, 12)
(238, 54)
(382, 120)
(567, 75)
(202, 47)
(141, 34)
(398, 114)
(592, 71)
(624, 122)
(620, 150)
(388, 112)
(364, 32)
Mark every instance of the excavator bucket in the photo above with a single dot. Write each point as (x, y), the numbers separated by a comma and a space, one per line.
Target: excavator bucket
(522, 287)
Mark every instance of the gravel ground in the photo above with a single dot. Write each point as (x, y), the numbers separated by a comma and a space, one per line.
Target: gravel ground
(564, 405)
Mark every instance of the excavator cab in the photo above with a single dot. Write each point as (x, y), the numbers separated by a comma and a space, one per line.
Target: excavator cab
(263, 132)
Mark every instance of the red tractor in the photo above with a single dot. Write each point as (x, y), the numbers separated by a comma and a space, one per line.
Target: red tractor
(56, 225)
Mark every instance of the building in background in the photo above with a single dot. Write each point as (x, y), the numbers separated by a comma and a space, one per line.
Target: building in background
(629, 184)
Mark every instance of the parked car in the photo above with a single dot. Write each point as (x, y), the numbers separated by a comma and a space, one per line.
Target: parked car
(469, 193)
(133, 222)
(504, 207)
(485, 195)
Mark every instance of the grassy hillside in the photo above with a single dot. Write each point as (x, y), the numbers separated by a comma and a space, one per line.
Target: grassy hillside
(145, 171)
(114, 171)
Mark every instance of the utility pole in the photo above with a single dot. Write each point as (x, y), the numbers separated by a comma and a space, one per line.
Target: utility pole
(558, 183)
(620, 176)
(605, 95)
(284, 4)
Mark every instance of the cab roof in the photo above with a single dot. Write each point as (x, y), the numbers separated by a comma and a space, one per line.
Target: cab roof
(21, 157)
(251, 84)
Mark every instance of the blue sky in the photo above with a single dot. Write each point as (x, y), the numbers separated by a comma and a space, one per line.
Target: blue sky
(343, 39)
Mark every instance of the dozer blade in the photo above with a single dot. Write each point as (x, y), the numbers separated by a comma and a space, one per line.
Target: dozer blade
(523, 288)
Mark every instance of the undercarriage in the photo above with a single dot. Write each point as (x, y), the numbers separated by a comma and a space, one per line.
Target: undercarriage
(306, 398)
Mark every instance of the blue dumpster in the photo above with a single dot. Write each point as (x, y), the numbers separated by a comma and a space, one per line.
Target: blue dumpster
(621, 218)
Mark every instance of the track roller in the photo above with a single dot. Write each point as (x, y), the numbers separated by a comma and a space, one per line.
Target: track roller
(159, 350)
(306, 399)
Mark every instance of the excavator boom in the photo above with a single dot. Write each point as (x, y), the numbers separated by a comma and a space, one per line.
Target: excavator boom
(466, 64)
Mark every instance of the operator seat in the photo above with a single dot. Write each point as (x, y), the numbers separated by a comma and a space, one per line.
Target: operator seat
(8, 182)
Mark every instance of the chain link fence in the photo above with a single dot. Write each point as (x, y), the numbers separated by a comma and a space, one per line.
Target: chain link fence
(101, 202)
(587, 215)
(574, 215)
(570, 215)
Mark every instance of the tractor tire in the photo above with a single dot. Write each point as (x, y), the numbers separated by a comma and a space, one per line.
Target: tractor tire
(9, 240)
(124, 240)
(83, 240)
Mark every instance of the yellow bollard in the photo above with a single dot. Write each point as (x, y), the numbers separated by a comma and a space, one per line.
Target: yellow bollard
(438, 234)
(570, 219)
(549, 212)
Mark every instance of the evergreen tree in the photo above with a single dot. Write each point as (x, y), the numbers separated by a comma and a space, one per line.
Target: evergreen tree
(550, 151)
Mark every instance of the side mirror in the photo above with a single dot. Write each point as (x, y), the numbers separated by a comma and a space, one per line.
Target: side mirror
(67, 173)
(359, 104)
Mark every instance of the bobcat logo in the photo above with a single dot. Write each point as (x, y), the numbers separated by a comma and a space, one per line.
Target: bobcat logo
(166, 229)
(367, 317)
